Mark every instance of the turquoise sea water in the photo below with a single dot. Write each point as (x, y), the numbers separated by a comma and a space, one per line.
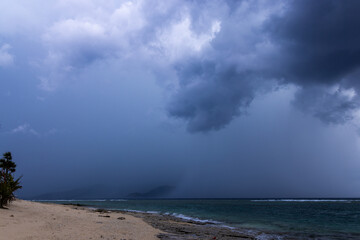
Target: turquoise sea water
(279, 218)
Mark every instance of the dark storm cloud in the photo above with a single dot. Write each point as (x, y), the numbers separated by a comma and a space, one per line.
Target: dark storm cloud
(319, 39)
(331, 107)
(97, 118)
(210, 95)
(319, 43)
(312, 44)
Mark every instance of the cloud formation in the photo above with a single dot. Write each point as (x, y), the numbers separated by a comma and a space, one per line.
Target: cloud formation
(313, 45)
(75, 42)
(111, 72)
(320, 53)
(210, 95)
(222, 53)
(25, 128)
(6, 58)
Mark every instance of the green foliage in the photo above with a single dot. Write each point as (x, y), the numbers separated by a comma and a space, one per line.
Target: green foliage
(7, 164)
(8, 185)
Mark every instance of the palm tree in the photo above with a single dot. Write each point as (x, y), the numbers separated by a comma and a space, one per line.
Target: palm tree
(7, 183)
(13, 185)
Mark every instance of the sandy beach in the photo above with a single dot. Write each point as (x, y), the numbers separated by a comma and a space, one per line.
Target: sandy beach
(25, 220)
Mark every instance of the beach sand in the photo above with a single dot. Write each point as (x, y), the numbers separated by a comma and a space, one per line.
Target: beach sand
(24, 220)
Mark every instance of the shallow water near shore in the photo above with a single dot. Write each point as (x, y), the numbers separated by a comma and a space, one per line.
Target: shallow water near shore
(283, 218)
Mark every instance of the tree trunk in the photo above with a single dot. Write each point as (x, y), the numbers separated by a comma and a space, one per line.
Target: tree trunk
(1, 203)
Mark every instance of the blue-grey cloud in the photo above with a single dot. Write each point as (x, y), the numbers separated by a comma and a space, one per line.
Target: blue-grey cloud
(313, 45)
(320, 52)
(319, 39)
(114, 71)
(210, 95)
(330, 105)
(221, 54)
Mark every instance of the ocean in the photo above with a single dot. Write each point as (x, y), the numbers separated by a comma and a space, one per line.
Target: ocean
(275, 218)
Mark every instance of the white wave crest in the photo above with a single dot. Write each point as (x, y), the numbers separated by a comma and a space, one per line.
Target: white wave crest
(305, 200)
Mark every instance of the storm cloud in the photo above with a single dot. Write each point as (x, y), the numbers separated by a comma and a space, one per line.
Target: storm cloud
(218, 55)
(210, 95)
(313, 45)
(221, 98)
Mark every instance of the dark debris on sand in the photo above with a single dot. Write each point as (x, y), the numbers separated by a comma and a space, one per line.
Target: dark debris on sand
(176, 228)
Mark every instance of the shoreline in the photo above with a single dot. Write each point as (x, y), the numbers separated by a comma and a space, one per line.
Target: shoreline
(176, 228)
(45, 220)
(25, 220)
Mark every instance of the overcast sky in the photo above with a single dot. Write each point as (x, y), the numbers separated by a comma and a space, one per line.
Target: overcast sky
(251, 98)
